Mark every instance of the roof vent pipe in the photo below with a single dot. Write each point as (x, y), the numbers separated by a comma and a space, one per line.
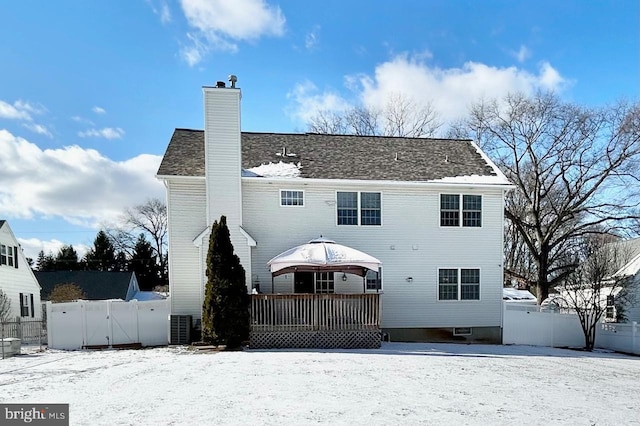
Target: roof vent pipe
(220, 84)
(232, 80)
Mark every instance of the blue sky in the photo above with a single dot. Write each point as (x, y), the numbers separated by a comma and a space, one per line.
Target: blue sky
(90, 92)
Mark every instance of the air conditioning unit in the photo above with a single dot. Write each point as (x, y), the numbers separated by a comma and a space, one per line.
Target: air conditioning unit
(180, 329)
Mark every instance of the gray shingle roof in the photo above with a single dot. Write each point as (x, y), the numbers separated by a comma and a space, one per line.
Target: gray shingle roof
(97, 285)
(337, 156)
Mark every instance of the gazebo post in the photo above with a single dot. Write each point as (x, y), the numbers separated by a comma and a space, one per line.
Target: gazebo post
(364, 283)
(271, 283)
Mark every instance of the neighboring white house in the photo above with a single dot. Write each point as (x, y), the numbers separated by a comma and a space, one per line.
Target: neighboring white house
(616, 297)
(16, 277)
(431, 210)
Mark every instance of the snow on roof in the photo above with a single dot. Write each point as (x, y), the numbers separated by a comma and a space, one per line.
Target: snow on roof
(280, 169)
(475, 179)
(513, 294)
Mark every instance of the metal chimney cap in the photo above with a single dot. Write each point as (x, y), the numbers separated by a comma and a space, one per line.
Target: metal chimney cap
(233, 79)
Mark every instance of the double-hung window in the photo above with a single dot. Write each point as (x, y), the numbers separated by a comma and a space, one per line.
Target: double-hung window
(9, 255)
(458, 284)
(359, 208)
(456, 206)
(291, 198)
(26, 305)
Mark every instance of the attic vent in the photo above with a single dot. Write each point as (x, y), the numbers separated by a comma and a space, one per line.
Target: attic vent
(284, 153)
(220, 84)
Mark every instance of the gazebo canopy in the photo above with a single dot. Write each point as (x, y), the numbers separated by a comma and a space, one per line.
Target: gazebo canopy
(323, 255)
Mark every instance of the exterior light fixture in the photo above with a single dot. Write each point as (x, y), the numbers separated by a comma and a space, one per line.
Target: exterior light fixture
(344, 276)
(409, 279)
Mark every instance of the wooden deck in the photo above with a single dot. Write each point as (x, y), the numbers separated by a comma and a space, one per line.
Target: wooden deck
(315, 320)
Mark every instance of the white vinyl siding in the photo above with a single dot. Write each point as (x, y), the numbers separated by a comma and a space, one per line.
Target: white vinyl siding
(186, 215)
(410, 244)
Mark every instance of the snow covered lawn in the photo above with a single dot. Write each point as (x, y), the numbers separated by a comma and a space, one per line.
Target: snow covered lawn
(398, 384)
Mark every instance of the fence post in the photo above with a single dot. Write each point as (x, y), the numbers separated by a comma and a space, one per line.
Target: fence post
(634, 338)
(2, 337)
(19, 328)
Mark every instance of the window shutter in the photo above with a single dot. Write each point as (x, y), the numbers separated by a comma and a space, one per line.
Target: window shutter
(33, 308)
(15, 256)
(21, 304)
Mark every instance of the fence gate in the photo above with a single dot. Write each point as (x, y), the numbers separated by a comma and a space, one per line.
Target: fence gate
(107, 323)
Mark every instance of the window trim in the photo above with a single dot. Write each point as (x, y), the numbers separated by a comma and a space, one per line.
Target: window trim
(358, 208)
(461, 210)
(291, 205)
(459, 269)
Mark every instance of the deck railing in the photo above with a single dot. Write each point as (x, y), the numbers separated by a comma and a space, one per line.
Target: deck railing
(313, 312)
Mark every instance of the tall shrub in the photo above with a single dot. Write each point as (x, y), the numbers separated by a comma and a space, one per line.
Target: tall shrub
(225, 311)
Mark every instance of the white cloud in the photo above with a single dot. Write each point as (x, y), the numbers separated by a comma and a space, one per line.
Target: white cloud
(107, 133)
(33, 246)
(162, 11)
(450, 90)
(195, 51)
(98, 110)
(219, 24)
(165, 13)
(308, 101)
(311, 41)
(78, 185)
(17, 111)
(79, 119)
(38, 128)
(522, 54)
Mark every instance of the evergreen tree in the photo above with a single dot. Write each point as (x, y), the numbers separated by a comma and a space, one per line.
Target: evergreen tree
(121, 263)
(102, 256)
(144, 264)
(225, 311)
(67, 259)
(45, 262)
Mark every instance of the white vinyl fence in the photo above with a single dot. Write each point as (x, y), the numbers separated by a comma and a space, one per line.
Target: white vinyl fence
(619, 337)
(528, 326)
(525, 325)
(107, 323)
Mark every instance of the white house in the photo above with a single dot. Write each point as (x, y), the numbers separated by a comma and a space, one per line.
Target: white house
(429, 210)
(16, 277)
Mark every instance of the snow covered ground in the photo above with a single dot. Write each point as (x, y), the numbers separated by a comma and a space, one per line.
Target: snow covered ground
(398, 384)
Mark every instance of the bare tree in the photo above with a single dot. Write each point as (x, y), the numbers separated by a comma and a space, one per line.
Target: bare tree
(598, 283)
(401, 116)
(149, 218)
(573, 168)
(5, 307)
